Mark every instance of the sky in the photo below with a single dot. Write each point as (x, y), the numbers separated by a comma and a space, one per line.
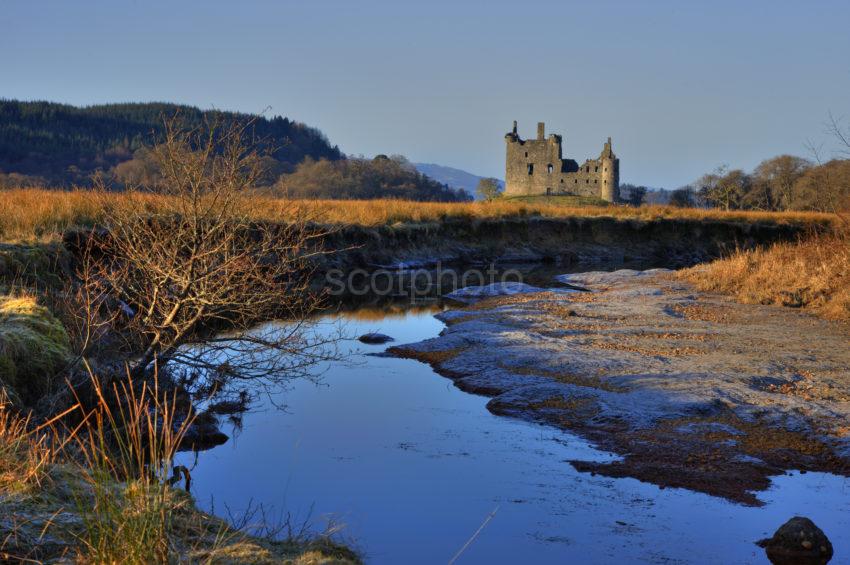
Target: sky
(681, 87)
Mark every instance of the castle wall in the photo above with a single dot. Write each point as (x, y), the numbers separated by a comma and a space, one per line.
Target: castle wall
(536, 167)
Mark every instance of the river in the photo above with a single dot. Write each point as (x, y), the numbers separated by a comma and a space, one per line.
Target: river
(413, 470)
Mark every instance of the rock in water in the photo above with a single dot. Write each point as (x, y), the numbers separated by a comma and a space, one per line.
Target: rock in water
(375, 338)
(798, 542)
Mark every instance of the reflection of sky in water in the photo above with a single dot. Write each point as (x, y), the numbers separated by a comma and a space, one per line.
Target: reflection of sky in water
(412, 466)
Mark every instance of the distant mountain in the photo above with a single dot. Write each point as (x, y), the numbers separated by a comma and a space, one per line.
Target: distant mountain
(61, 144)
(455, 178)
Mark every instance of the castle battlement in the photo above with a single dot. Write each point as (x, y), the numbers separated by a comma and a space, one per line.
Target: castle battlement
(537, 167)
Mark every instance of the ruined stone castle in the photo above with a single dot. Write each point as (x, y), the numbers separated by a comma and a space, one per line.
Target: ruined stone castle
(536, 167)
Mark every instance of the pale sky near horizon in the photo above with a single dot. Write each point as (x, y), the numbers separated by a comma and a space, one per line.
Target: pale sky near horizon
(681, 86)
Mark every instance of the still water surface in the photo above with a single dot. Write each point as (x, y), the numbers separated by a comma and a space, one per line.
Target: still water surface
(412, 467)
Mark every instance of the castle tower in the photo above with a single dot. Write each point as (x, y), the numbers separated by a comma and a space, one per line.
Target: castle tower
(610, 174)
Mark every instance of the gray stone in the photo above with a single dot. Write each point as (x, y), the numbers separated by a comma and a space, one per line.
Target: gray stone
(473, 293)
(605, 278)
(510, 288)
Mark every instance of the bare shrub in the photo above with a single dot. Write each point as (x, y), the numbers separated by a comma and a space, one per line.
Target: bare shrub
(196, 262)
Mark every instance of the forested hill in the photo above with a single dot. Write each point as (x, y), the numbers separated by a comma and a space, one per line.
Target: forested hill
(59, 144)
(456, 178)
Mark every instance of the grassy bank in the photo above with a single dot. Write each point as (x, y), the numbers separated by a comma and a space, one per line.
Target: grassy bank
(812, 274)
(92, 485)
(36, 214)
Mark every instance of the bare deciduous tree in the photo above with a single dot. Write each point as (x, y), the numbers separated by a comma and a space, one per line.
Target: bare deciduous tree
(720, 188)
(488, 189)
(776, 178)
(190, 261)
(825, 187)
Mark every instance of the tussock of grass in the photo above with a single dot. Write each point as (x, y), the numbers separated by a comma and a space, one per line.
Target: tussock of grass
(813, 274)
(40, 214)
(126, 451)
(34, 347)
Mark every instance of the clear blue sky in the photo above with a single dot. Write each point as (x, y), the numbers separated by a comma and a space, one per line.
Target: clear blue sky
(680, 86)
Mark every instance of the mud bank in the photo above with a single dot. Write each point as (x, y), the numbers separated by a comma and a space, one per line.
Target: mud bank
(691, 390)
(562, 240)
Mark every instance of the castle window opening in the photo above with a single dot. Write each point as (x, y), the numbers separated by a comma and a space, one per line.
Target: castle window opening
(595, 169)
(548, 192)
(531, 168)
(549, 169)
(526, 153)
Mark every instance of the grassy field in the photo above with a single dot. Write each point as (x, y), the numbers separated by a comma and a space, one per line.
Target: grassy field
(37, 214)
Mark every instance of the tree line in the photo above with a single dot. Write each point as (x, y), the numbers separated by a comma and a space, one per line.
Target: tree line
(50, 144)
(782, 183)
(45, 144)
(362, 179)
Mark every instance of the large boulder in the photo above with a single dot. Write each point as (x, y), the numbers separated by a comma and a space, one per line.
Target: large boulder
(798, 542)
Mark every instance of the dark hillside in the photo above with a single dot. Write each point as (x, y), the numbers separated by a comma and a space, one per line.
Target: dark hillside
(62, 145)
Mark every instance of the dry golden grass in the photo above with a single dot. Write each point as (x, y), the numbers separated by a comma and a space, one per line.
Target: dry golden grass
(814, 274)
(30, 214)
(24, 453)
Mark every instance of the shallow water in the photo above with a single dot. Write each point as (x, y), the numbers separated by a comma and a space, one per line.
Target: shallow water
(412, 467)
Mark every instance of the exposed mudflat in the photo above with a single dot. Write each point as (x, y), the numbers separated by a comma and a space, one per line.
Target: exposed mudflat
(691, 390)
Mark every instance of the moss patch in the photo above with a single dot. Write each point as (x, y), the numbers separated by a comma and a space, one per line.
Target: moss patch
(37, 264)
(34, 348)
